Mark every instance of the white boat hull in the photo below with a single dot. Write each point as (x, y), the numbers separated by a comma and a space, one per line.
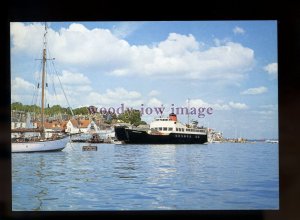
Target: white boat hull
(40, 146)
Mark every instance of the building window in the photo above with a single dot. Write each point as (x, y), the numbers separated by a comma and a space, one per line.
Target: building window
(165, 128)
(170, 129)
(160, 128)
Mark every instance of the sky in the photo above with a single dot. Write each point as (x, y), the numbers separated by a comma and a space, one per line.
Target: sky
(228, 66)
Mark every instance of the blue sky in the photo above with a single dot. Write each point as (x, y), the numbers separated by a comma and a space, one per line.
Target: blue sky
(230, 66)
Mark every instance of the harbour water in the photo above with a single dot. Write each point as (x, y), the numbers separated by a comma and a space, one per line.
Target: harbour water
(221, 176)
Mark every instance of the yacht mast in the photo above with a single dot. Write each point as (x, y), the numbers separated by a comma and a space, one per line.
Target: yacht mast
(43, 78)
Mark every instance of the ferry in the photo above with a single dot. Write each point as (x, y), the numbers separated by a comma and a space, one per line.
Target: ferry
(163, 130)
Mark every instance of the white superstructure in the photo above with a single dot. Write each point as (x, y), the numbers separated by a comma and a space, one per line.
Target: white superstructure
(169, 125)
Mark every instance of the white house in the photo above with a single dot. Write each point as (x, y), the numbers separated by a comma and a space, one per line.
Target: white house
(81, 126)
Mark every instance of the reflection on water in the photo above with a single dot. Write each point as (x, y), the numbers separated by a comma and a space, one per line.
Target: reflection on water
(125, 162)
(42, 191)
(148, 177)
(162, 159)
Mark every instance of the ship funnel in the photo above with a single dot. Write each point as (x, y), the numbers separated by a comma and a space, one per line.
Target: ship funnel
(172, 117)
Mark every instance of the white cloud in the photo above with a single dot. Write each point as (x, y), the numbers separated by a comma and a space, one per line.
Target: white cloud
(73, 84)
(27, 93)
(272, 70)
(68, 77)
(78, 91)
(26, 38)
(154, 93)
(255, 91)
(20, 84)
(154, 102)
(197, 103)
(219, 42)
(122, 93)
(237, 105)
(75, 45)
(220, 106)
(110, 98)
(21, 89)
(270, 107)
(217, 106)
(238, 30)
(114, 97)
(267, 113)
(177, 45)
(125, 29)
(179, 56)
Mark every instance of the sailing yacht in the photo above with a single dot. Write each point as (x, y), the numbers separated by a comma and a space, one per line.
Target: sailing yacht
(43, 142)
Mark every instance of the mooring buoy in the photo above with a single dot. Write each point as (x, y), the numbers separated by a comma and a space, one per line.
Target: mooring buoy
(89, 148)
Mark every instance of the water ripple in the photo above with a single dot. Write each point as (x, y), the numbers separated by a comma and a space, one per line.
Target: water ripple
(148, 177)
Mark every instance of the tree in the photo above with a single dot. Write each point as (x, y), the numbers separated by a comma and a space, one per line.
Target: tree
(53, 110)
(143, 123)
(80, 111)
(131, 116)
(17, 106)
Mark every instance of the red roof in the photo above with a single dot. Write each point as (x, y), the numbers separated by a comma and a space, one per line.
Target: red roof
(81, 123)
(53, 124)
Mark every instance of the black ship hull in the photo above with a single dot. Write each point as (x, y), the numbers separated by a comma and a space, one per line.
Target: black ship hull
(132, 136)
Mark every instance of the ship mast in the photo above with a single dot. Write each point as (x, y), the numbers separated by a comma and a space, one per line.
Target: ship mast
(188, 113)
(43, 78)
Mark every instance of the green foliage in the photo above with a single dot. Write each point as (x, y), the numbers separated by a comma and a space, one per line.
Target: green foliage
(131, 116)
(16, 106)
(53, 110)
(80, 111)
(27, 108)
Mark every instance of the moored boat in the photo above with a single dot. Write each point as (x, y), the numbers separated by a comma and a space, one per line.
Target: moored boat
(40, 145)
(272, 141)
(41, 140)
(162, 131)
